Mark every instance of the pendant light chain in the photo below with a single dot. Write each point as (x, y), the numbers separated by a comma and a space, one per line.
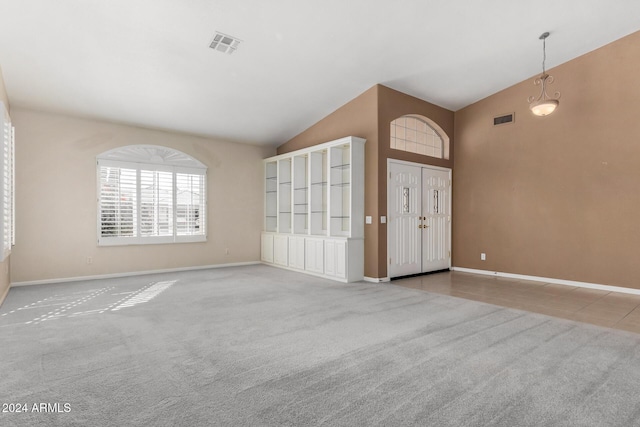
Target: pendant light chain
(544, 54)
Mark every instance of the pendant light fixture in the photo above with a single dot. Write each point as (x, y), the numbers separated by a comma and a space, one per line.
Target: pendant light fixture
(544, 104)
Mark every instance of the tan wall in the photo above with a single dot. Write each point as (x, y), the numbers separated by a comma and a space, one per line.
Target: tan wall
(391, 105)
(556, 196)
(56, 200)
(369, 116)
(356, 118)
(4, 266)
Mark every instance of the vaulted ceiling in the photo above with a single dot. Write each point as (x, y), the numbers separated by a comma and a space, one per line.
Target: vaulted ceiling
(148, 62)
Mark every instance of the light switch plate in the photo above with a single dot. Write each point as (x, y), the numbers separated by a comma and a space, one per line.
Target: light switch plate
(367, 219)
(383, 219)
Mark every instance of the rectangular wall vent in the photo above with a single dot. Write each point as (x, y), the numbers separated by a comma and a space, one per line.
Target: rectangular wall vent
(504, 119)
(224, 43)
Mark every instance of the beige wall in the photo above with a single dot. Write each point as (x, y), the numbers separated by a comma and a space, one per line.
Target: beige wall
(3, 91)
(4, 266)
(56, 200)
(556, 196)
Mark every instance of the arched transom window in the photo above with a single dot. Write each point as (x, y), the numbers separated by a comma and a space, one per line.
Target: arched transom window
(417, 134)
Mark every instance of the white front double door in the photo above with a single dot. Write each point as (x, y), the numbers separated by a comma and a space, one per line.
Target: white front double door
(419, 219)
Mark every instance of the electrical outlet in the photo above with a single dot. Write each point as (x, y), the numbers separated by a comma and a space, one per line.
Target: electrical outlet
(89, 260)
(483, 256)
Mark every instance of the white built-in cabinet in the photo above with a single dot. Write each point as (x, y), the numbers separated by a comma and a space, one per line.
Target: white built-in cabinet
(314, 210)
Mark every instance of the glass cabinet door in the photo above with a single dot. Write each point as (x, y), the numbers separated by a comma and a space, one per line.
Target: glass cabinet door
(271, 196)
(318, 192)
(340, 190)
(300, 195)
(284, 196)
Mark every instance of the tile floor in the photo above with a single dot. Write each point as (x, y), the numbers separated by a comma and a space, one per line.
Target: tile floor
(603, 308)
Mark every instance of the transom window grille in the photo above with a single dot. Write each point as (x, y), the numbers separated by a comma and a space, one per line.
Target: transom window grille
(150, 194)
(415, 135)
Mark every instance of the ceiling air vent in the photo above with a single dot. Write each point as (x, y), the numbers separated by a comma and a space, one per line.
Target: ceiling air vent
(504, 119)
(224, 43)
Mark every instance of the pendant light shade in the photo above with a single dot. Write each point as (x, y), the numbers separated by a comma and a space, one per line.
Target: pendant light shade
(544, 105)
(544, 108)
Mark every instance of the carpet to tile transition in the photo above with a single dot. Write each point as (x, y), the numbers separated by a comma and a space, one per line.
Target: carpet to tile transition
(259, 346)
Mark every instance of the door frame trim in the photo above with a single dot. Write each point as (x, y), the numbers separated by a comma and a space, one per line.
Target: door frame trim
(427, 166)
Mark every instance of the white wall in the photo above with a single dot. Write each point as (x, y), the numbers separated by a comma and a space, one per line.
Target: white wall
(56, 206)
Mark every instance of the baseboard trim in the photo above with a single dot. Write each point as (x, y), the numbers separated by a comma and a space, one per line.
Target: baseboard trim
(376, 279)
(4, 295)
(131, 273)
(550, 280)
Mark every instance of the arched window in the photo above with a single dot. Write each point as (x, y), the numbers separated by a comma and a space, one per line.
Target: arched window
(150, 194)
(420, 135)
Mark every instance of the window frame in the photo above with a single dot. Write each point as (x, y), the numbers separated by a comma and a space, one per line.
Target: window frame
(113, 159)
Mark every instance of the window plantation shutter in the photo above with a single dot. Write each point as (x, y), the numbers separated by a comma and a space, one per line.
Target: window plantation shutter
(190, 204)
(156, 203)
(13, 186)
(118, 194)
(6, 190)
(7, 184)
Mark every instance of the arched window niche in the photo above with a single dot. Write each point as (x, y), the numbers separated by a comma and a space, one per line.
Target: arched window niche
(418, 134)
(149, 194)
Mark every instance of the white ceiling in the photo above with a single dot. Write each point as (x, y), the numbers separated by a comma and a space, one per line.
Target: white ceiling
(147, 62)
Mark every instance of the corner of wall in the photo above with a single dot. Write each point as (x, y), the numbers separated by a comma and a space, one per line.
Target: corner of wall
(3, 92)
(358, 117)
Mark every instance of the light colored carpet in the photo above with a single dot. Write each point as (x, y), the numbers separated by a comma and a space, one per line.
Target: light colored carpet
(261, 346)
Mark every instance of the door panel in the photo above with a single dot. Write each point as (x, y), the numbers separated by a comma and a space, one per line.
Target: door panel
(267, 247)
(280, 250)
(314, 255)
(296, 252)
(435, 211)
(404, 206)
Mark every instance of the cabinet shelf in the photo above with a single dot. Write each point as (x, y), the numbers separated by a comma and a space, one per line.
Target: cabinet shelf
(314, 210)
(342, 166)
